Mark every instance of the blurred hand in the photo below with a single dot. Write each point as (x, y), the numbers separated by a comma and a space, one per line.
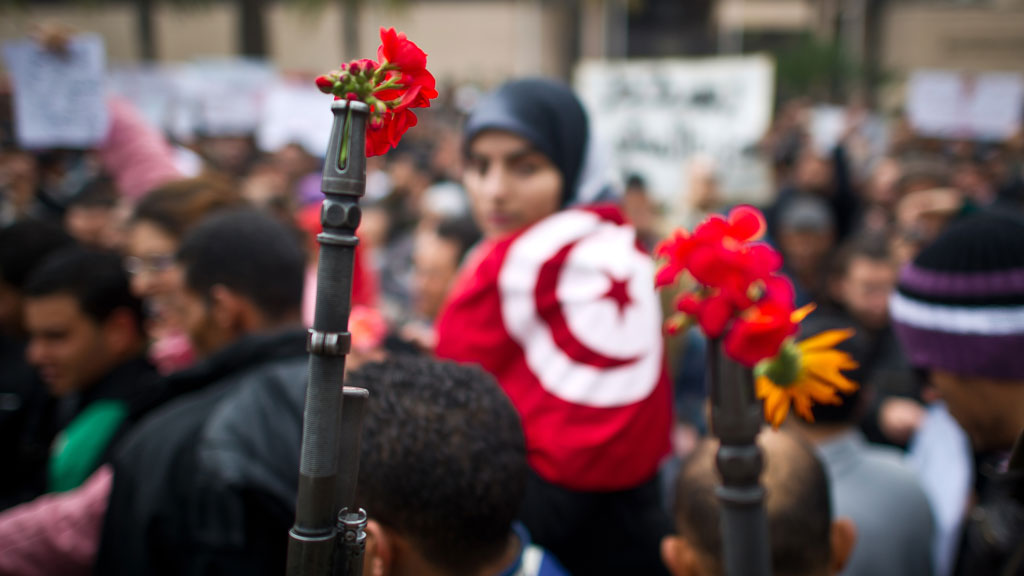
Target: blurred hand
(53, 36)
(421, 335)
(899, 418)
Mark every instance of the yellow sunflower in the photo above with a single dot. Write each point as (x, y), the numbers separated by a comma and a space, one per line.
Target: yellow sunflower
(803, 374)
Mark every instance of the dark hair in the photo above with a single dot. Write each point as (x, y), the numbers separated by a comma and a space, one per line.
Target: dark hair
(100, 192)
(443, 459)
(460, 230)
(251, 253)
(922, 173)
(24, 245)
(94, 278)
(636, 181)
(179, 205)
(872, 246)
(547, 114)
(797, 505)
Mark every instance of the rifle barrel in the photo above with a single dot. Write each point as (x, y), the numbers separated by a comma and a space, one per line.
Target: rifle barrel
(312, 539)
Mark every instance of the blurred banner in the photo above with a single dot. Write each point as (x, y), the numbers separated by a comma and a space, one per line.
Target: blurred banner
(228, 97)
(58, 96)
(659, 116)
(295, 113)
(947, 104)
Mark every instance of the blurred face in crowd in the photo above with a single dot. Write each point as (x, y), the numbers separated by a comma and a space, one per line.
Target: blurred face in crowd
(639, 209)
(882, 189)
(294, 162)
(150, 264)
(510, 184)
(990, 411)
(18, 177)
(94, 225)
(435, 261)
(267, 187)
(804, 249)
(70, 349)
(865, 291)
(814, 174)
(229, 154)
(207, 320)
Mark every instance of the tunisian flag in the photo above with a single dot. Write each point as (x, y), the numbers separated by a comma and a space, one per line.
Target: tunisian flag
(564, 314)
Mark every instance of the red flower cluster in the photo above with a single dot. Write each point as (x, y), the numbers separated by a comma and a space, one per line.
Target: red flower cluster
(740, 297)
(392, 85)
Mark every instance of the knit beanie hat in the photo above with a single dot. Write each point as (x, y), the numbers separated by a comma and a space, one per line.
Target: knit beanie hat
(960, 304)
(545, 113)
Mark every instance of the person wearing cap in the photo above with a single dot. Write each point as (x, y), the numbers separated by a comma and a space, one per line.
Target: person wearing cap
(959, 312)
(806, 233)
(558, 303)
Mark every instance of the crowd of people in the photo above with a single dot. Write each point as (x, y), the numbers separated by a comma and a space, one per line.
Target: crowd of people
(526, 411)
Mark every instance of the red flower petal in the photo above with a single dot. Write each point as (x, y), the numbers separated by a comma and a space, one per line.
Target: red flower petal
(396, 49)
(397, 123)
(376, 141)
(760, 332)
(746, 223)
(667, 275)
(715, 315)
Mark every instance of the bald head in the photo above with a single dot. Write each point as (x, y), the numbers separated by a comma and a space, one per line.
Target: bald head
(797, 505)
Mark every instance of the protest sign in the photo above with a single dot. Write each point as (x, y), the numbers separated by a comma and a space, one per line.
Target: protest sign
(214, 97)
(224, 97)
(152, 90)
(59, 98)
(948, 104)
(295, 113)
(658, 115)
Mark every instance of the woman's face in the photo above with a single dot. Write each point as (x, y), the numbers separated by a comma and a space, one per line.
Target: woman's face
(510, 184)
(150, 261)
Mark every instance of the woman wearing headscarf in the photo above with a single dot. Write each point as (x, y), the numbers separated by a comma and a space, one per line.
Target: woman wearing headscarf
(558, 304)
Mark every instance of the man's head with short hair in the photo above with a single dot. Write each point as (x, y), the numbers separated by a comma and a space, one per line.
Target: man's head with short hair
(864, 274)
(443, 467)
(244, 272)
(23, 246)
(804, 539)
(81, 318)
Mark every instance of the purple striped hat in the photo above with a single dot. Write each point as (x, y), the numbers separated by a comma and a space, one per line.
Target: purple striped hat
(960, 304)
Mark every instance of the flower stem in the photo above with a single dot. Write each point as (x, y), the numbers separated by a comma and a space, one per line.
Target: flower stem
(346, 131)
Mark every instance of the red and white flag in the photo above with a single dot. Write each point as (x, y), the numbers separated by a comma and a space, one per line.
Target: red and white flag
(564, 314)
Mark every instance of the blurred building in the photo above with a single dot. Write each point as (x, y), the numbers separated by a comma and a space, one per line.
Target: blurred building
(889, 37)
(486, 40)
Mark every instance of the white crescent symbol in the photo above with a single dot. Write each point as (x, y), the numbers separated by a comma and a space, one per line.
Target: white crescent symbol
(578, 297)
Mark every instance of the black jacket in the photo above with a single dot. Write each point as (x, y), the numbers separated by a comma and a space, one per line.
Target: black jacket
(27, 426)
(206, 484)
(993, 539)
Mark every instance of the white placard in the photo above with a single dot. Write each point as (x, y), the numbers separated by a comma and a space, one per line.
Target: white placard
(223, 97)
(828, 124)
(59, 98)
(296, 112)
(947, 104)
(658, 115)
(152, 90)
